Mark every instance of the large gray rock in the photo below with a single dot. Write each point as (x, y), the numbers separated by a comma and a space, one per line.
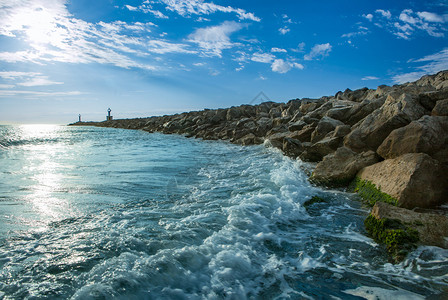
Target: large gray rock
(414, 179)
(308, 105)
(361, 110)
(340, 167)
(292, 147)
(441, 108)
(325, 125)
(304, 135)
(373, 129)
(428, 135)
(432, 228)
(276, 139)
(318, 150)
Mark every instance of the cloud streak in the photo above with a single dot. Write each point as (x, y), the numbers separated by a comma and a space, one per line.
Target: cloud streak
(429, 64)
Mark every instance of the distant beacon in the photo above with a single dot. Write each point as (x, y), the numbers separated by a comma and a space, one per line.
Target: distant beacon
(109, 117)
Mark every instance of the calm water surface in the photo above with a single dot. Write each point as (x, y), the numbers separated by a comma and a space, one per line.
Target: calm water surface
(100, 213)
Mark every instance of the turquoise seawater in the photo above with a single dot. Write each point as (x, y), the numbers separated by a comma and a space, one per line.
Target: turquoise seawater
(101, 213)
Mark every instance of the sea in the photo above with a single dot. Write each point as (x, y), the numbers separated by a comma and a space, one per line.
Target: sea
(104, 213)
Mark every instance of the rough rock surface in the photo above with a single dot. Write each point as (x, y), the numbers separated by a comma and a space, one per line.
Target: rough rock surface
(441, 108)
(341, 167)
(414, 179)
(369, 133)
(427, 135)
(432, 228)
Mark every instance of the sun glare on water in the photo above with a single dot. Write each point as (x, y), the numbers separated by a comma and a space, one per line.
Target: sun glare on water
(48, 174)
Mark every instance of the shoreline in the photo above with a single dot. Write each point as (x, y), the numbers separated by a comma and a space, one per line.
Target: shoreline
(388, 144)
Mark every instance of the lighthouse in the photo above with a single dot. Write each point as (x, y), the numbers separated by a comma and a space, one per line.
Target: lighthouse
(109, 117)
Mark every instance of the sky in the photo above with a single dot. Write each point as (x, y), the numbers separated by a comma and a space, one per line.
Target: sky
(61, 58)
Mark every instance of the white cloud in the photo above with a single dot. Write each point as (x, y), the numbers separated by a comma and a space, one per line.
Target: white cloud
(54, 35)
(262, 57)
(319, 51)
(28, 78)
(163, 47)
(406, 17)
(214, 39)
(281, 66)
(431, 17)
(6, 86)
(278, 50)
(131, 8)
(368, 17)
(431, 64)
(284, 30)
(385, 13)
(409, 23)
(370, 78)
(14, 75)
(148, 10)
(39, 81)
(404, 31)
(199, 7)
(361, 31)
(35, 94)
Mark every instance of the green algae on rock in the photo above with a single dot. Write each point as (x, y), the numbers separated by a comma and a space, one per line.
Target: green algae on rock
(398, 238)
(371, 193)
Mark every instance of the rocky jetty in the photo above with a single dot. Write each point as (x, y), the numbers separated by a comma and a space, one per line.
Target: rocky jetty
(390, 143)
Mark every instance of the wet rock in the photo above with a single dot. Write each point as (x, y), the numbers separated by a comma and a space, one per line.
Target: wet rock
(276, 139)
(413, 179)
(427, 135)
(432, 228)
(318, 150)
(249, 139)
(341, 167)
(292, 147)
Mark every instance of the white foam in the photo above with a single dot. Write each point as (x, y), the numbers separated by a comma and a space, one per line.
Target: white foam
(376, 293)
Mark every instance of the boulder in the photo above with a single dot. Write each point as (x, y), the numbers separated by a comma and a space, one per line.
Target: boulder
(325, 125)
(441, 108)
(309, 105)
(339, 113)
(373, 129)
(341, 130)
(361, 110)
(413, 179)
(429, 99)
(249, 139)
(304, 135)
(292, 147)
(263, 126)
(318, 150)
(432, 228)
(340, 167)
(428, 135)
(296, 126)
(276, 139)
(234, 113)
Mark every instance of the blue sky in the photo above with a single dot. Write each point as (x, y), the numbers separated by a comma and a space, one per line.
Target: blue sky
(62, 58)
